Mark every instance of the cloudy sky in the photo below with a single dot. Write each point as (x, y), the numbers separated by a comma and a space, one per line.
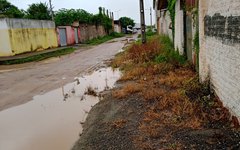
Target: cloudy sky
(120, 8)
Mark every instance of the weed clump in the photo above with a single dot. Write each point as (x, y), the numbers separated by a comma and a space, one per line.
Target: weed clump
(143, 53)
(127, 90)
(91, 91)
(169, 54)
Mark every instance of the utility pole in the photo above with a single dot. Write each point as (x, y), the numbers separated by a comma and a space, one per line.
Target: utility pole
(143, 26)
(51, 9)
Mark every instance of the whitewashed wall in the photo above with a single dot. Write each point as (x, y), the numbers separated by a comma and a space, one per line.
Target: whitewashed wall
(220, 49)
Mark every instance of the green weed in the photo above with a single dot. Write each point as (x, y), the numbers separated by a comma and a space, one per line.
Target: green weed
(39, 57)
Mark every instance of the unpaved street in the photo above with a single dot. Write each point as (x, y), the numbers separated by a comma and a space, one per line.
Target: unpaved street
(21, 82)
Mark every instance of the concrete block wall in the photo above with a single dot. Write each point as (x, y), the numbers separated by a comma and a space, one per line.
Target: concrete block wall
(5, 45)
(88, 32)
(219, 30)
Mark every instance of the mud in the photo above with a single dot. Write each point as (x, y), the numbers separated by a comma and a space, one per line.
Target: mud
(112, 124)
(53, 121)
(19, 83)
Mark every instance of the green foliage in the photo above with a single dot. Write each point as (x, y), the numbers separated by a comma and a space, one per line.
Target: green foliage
(171, 9)
(125, 21)
(100, 10)
(103, 39)
(99, 40)
(9, 10)
(39, 57)
(150, 32)
(116, 35)
(38, 11)
(169, 54)
(68, 16)
(100, 19)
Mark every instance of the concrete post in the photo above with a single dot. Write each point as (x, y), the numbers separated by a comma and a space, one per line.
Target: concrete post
(143, 27)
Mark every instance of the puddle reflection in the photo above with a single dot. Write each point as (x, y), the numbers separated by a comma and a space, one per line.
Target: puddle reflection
(53, 121)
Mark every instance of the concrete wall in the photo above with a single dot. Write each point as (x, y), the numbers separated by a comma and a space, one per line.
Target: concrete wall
(85, 32)
(163, 19)
(88, 32)
(165, 23)
(117, 28)
(70, 33)
(179, 29)
(5, 45)
(157, 14)
(23, 35)
(220, 49)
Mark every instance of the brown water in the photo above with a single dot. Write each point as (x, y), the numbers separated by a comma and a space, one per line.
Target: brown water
(52, 121)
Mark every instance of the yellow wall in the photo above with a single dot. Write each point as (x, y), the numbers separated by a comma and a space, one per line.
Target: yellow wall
(5, 47)
(33, 39)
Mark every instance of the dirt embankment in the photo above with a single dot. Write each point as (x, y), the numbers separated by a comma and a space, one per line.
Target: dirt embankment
(159, 104)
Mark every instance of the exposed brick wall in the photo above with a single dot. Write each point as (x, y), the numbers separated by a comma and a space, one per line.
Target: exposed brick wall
(220, 49)
(88, 32)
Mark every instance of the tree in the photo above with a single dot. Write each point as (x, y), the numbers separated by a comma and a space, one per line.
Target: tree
(100, 10)
(68, 16)
(125, 21)
(9, 10)
(38, 11)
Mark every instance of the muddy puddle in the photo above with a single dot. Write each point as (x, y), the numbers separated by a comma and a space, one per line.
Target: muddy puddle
(53, 121)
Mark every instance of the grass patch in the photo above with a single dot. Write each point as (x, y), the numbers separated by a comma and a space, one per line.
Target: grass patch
(169, 54)
(39, 57)
(150, 32)
(127, 90)
(103, 39)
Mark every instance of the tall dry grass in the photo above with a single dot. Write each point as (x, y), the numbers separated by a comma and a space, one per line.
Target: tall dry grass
(170, 88)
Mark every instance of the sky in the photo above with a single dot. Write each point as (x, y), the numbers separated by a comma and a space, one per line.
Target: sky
(129, 8)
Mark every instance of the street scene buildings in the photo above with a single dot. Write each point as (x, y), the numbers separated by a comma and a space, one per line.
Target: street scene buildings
(120, 75)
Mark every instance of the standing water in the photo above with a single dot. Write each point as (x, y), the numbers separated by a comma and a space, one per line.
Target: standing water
(53, 121)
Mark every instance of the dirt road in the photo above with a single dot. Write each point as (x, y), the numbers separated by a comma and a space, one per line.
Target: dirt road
(20, 83)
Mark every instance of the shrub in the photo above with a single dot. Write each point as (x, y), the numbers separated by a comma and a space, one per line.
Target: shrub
(169, 54)
(142, 53)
